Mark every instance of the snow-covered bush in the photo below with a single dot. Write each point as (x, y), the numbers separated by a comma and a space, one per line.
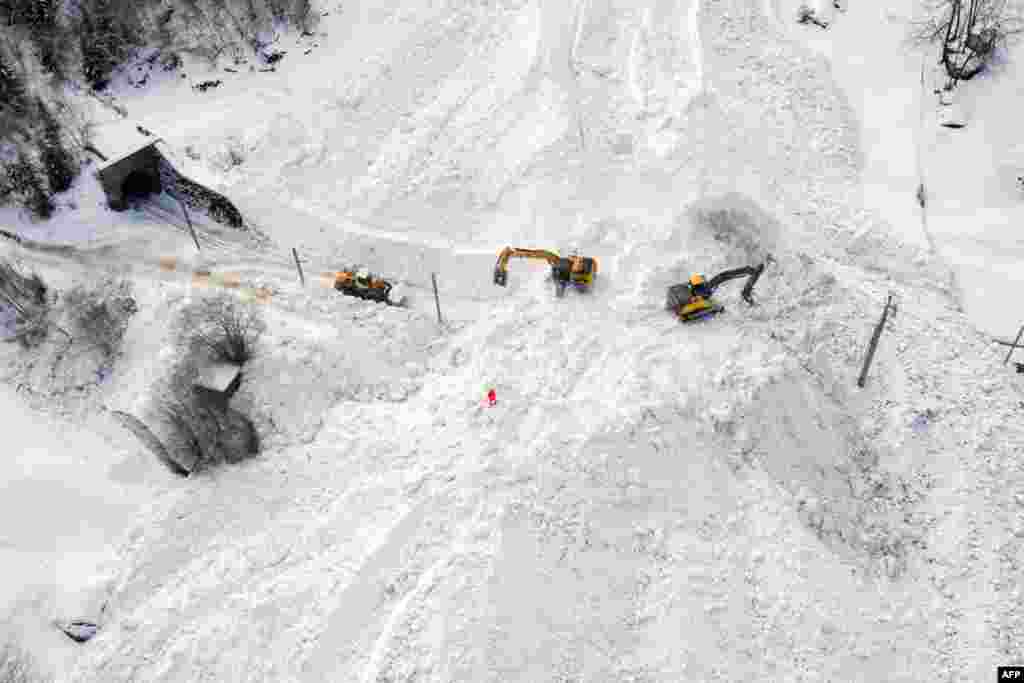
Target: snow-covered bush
(99, 315)
(220, 326)
(71, 340)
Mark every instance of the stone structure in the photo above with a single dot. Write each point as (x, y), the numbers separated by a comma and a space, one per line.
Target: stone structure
(133, 168)
(131, 162)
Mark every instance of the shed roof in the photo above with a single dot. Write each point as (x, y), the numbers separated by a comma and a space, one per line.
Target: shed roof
(218, 377)
(120, 139)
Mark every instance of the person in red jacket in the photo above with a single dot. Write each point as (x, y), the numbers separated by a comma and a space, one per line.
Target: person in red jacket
(492, 397)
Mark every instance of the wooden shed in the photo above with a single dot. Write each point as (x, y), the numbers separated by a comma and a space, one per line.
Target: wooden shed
(131, 162)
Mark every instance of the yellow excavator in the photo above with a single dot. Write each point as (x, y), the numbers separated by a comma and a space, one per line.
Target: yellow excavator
(693, 300)
(578, 271)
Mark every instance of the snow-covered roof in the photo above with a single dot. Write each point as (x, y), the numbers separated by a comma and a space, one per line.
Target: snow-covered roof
(217, 377)
(119, 139)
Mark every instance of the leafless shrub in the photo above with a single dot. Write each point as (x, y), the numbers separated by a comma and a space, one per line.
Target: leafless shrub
(99, 315)
(222, 327)
(969, 32)
(16, 666)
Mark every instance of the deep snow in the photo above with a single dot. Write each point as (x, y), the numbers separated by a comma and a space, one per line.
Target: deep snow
(646, 501)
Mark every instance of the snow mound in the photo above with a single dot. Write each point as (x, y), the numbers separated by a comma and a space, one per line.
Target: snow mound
(745, 232)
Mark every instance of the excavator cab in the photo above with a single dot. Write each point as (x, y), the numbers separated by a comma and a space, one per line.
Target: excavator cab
(694, 300)
(363, 278)
(574, 270)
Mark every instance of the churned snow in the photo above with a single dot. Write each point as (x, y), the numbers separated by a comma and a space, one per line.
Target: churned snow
(646, 501)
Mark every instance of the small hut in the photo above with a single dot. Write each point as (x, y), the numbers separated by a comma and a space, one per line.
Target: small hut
(131, 162)
(218, 382)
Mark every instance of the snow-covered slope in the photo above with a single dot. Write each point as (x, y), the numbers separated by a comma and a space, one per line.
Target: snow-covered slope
(647, 501)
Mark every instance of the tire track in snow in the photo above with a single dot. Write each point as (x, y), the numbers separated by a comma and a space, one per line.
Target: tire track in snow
(359, 600)
(505, 453)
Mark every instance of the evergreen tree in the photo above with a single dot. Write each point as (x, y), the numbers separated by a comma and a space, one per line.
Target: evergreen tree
(13, 102)
(24, 181)
(58, 163)
(104, 42)
(39, 19)
(12, 89)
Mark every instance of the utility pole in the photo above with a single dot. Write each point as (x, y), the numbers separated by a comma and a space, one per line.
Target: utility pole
(298, 265)
(189, 221)
(437, 299)
(1014, 345)
(873, 344)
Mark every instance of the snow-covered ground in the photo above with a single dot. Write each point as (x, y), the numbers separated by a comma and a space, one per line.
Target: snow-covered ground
(647, 501)
(975, 204)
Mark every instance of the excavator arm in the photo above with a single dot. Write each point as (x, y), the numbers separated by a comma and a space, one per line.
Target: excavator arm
(753, 272)
(501, 268)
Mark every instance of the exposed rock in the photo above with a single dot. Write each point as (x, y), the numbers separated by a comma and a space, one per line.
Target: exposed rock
(79, 631)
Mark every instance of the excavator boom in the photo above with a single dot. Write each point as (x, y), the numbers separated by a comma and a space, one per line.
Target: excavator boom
(501, 268)
(754, 272)
(575, 270)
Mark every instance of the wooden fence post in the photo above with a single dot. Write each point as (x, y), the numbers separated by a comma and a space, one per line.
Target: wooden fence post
(189, 221)
(437, 299)
(873, 344)
(302, 278)
(1014, 345)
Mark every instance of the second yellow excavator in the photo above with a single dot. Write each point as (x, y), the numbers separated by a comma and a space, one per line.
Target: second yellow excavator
(578, 271)
(693, 300)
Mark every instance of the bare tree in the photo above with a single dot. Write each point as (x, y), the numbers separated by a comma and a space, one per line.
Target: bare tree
(226, 329)
(968, 32)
